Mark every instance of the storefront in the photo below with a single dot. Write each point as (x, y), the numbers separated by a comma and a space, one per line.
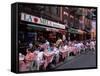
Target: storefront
(76, 34)
(72, 34)
(93, 30)
(50, 34)
(39, 29)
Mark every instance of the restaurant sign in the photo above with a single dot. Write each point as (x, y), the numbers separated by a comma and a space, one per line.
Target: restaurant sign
(37, 20)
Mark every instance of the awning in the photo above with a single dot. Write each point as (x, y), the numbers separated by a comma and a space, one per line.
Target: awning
(41, 28)
(35, 27)
(72, 30)
(76, 31)
(81, 32)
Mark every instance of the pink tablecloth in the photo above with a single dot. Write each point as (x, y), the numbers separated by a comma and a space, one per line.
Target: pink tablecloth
(63, 53)
(48, 58)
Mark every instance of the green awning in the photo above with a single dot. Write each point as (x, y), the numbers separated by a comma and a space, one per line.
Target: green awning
(72, 30)
(35, 27)
(41, 28)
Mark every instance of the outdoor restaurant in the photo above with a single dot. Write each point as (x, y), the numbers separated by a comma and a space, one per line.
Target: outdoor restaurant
(43, 44)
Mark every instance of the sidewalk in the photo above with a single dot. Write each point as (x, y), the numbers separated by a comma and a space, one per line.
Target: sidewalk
(66, 60)
(52, 66)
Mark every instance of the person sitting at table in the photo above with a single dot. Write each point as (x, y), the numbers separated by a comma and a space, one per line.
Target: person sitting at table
(58, 42)
(48, 55)
(69, 48)
(88, 45)
(56, 53)
(40, 59)
(38, 56)
(62, 51)
(29, 58)
(30, 45)
(47, 46)
(22, 65)
(78, 46)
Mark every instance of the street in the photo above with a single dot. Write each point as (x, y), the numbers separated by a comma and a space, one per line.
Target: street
(81, 61)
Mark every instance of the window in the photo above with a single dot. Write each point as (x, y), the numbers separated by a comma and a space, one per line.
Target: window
(55, 10)
(47, 9)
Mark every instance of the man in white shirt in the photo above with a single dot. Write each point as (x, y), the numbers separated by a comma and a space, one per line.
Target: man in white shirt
(92, 45)
(30, 45)
(40, 59)
(78, 45)
(56, 53)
